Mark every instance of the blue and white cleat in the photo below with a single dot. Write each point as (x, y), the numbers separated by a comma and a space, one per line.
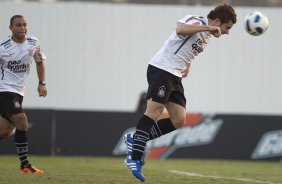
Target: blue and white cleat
(129, 141)
(136, 168)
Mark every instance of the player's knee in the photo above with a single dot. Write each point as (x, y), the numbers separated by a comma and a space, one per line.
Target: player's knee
(22, 126)
(20, 121)
(6, 129)
(178, 122)
(155, 112)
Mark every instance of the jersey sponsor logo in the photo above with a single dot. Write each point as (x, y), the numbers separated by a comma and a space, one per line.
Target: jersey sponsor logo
(197, 47)
(161, 91)
(198, 130)
(17, 66)
(270, 145)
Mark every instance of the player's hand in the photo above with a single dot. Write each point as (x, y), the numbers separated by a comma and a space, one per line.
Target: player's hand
(215, 31)
(185, 72)
(42, 90)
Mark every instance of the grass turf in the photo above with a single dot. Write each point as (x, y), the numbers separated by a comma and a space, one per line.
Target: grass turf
(110, 170)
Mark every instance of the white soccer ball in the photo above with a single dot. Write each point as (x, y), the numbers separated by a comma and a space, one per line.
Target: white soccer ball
(256, 23)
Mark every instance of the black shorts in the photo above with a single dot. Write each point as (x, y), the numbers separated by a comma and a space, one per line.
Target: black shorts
(164, 87)
(10, 103)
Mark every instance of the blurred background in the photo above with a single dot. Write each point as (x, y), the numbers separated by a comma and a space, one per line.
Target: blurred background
(177, 2)
(97, 56)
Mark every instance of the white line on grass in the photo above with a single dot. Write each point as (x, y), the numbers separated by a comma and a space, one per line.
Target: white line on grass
(220, 177)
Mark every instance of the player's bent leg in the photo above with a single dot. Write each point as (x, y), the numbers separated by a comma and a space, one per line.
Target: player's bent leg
(137, 142)
(6, 128)
(154, 110)
(176, 119)
(177, 114)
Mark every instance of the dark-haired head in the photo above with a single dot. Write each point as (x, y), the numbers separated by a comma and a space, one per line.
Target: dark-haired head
(224, 13)
(18, 26)
(14, 17)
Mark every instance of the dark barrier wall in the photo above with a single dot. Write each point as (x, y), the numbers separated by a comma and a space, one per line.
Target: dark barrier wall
(73, 132)
(238, 138)
(250, 137)
(90, 133)
(39, 135)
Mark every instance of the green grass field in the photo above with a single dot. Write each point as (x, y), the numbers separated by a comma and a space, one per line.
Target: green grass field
(100, 170)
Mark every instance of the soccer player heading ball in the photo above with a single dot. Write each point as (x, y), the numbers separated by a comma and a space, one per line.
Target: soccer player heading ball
(16, 53)
(164, 74)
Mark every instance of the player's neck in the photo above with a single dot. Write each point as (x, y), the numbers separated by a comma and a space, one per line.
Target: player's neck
(18, 40)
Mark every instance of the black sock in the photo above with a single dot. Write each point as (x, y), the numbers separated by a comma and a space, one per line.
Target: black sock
(22, 147)
(141, 137)
(160, 128)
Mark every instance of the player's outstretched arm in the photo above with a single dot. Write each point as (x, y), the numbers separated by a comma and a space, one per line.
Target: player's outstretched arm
(186, 29)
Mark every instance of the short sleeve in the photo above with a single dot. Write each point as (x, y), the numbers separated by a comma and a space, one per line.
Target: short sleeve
(192, 20)
(39, 55)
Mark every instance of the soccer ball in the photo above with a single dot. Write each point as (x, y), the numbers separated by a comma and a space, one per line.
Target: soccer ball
(256, 23)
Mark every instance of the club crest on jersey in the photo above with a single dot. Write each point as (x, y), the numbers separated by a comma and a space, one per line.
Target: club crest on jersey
(161, 91)
(17, 104)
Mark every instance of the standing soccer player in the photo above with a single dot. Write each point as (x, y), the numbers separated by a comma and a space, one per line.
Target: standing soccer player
(164, 74)
(16, 53)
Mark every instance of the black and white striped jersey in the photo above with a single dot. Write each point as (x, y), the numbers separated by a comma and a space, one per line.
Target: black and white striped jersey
(15, 62)
(179, 50)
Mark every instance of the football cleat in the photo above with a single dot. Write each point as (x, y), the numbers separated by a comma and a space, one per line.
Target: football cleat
(31, 170)
(136, 168)
(129, 141)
